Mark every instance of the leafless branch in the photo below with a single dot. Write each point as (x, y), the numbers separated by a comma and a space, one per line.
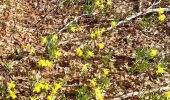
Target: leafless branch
(167, 88)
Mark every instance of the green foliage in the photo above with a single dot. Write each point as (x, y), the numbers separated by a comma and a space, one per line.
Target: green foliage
(106, 58)
(149, 20)
(143, 61)
(83, 94)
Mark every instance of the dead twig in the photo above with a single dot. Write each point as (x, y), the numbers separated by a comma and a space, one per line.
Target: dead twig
(167, 88)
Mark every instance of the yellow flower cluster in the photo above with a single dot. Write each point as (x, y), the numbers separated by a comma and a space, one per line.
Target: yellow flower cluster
(44, 63)
(98, 92)
(162, 16)
(79, 52)
(160, 70)
(153, 53)
(29, 49)
(73, 29)
(106, 71)
(85, 67)
(57, 54)
(100, 3)
(41, 86)
(87, 53)
(90, 53)
(93, 82)
(11, 92)
(167, 94)
(101, 45)
(113, 23)
(57, 86)
(97, 33)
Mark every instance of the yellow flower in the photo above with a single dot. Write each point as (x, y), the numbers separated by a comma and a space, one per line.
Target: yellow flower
(98, 93)
(167, 94)
(97, 3)
(101, 45)
(109, 2)
(161, 10)
(93, 82)
(57, 86)
(12, 95)
(162, 17)
(44, 40)
(160, 70)
(11, 85)
(27, 46)
(79, 52)
(92, 35)
(90, 53)
(44, 63)
(54, 91)
(113, 23)
(48, 63)
(37, 89)
(101, 6)
(54, 37)
(50, 97)
(153, 52)
(106, 71)
(58, 54)
(73, 28)
(32, 51)
(85, 67)
(46, 86)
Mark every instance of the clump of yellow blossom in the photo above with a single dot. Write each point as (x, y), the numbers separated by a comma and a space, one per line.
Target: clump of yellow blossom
(113, 23)
(54, 37)
(160, 70)
(11, 85)
(101, 45)
(98, 92)
(29, 49)
(153, 53)
(109, 2)
(58, 54)
(44, 40)
(73, 29)
(44, 63)
(162, 17)
(85, 67)
(79, 52)
(50, 97)
(11, 94)
(97, 33)
(57, 86)
(41, 86)
(101, 6)
(167, 94)
(90, 53)
(93, 82)
(161, 10)
(106, 71)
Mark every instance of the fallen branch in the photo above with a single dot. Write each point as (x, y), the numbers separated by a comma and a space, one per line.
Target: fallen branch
(137, 15)
(167, 88)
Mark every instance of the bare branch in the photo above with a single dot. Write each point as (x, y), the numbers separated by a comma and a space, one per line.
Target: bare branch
(167, 88)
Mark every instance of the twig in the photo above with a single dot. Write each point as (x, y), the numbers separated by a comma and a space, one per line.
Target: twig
(137, 15)
(70, 23)
(140, 5)
(167, 88)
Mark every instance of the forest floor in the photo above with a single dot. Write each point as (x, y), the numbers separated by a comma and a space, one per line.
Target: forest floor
(25, 22)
